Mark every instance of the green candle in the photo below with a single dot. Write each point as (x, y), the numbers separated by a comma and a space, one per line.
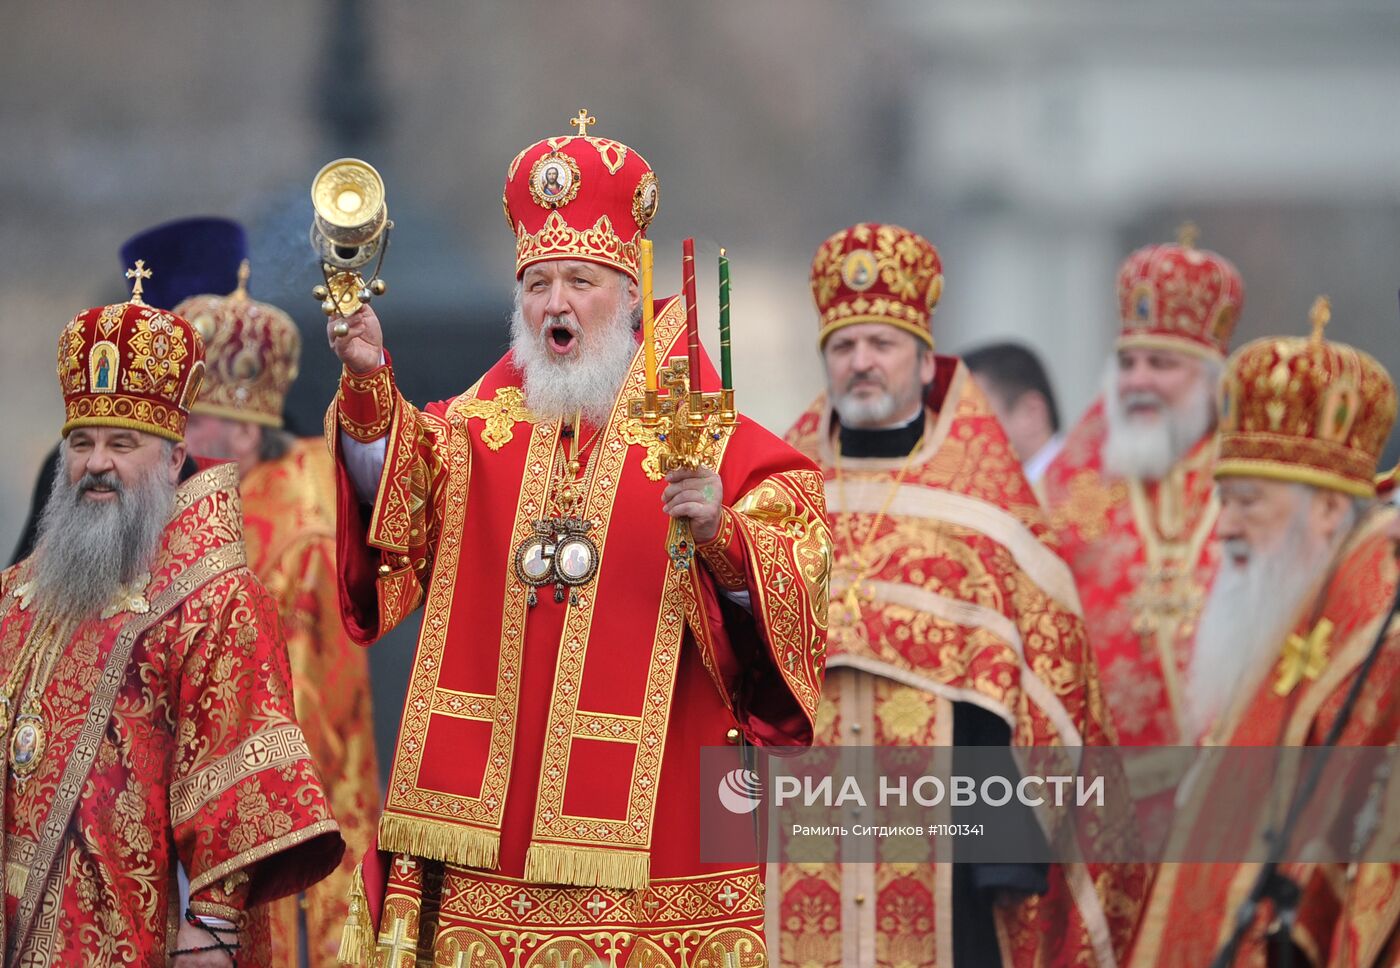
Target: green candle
(726, 368)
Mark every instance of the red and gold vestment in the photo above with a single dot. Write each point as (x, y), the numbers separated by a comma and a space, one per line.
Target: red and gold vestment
(1143, 556)
(945, 590)
(1347, 915)
(171, 738)
(543, 807)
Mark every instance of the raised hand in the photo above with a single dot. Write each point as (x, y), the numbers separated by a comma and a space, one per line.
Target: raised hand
(362, 347)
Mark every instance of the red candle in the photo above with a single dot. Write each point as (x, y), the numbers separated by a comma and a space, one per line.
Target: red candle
(692, 322)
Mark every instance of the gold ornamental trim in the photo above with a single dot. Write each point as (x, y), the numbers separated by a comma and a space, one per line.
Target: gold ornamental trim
(557, 239)
(1163, 341)
(185, 583)
(557, 852)
(914, 328)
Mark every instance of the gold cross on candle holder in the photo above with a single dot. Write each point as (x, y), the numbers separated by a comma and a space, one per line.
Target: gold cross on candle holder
(689, 427)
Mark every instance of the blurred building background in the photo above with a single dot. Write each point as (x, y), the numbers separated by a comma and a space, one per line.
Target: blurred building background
(1034, 141)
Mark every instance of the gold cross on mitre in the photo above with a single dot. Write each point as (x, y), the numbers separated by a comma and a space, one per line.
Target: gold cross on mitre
(139, 273)
(582, 122)
(243, 272)
(1304, 658)
(1320, 315)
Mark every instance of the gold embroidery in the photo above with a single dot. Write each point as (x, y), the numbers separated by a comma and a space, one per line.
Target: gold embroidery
(558, 239)
(1169, 597)
(551, 861)
(215, 483)
(501, 415)
(269, 749)
(460, 842)
(715, 554)
(379, 387)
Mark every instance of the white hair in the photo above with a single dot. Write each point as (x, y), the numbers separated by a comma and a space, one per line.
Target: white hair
(1148, 449)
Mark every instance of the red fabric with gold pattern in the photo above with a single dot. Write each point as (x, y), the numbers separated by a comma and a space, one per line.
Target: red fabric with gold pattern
(289, 532)
(1143, 556)
(952, 594)
(129, 365)
(1191, 907)
(872, 273)
(579, 197)
(170, 737)
(535, 749)
(1179, 297)
(1305, 409)
(252, 355)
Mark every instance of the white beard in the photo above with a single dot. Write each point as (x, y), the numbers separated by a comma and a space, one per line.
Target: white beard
(1249, 612)
(1148, 448)
(588, 383)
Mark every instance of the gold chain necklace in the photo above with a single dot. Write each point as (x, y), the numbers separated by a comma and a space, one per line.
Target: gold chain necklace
(30, 736)
(860, 567)
(18, 671)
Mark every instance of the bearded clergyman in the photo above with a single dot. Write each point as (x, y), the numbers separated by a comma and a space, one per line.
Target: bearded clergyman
(1131, 496)
(147, 707)
(544, 802)
(1307, 581)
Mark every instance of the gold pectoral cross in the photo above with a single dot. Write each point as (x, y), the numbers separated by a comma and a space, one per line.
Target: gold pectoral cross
(1167, 597)
(1303, 658)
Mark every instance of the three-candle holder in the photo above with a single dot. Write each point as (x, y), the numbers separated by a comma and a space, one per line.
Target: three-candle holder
(690, 428)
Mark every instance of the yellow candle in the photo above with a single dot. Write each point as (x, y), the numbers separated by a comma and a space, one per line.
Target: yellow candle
(648, 323)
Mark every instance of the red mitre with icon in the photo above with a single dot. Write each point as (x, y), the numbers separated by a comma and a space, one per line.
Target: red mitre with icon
(872, 273)
(1303, 409)
(579, 197)
(1179, 297)
(130, 365)
(253, 352)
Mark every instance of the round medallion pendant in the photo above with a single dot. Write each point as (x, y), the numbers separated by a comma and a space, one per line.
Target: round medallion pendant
(27, 745)
(576, 560)
(534, 561)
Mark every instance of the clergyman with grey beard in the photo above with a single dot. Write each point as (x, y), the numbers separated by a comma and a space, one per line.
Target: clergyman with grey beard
(141, 666)
(1131, 497)
(90, 544)
(1296, 648)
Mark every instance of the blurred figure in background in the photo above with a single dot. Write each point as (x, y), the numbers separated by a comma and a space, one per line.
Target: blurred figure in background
(952, 623)
(1018, 388)
(252, 354)
(1131, 495)
(1308, 576)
